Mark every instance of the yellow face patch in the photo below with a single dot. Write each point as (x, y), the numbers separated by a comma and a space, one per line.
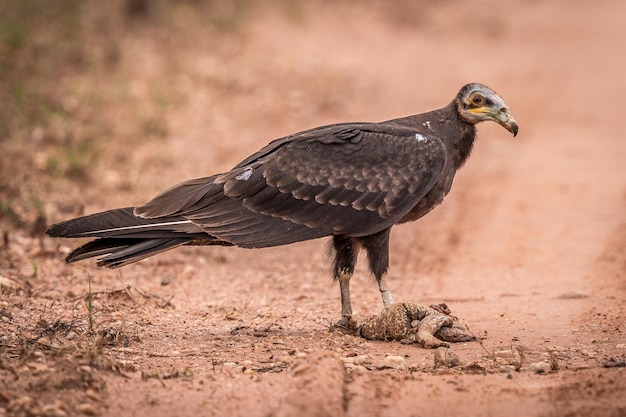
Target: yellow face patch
(479, 110)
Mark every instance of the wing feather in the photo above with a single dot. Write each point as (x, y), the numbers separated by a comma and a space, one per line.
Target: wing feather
(353, 179)
(181, 198)
(339, 184)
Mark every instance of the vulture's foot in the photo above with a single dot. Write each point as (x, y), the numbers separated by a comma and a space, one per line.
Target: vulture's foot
(415, 323)
(347, 324)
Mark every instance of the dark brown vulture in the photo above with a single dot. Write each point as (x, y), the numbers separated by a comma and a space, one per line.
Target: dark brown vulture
(351, 181)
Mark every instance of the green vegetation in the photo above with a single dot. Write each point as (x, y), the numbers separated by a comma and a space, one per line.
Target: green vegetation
(74, 80)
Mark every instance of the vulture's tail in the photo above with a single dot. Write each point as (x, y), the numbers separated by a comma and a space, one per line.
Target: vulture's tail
(123, 238)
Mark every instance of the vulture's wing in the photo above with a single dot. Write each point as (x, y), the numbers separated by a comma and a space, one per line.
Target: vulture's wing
(355, 179)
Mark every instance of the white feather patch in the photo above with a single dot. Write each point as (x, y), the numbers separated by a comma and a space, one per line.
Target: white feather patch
(245, 175)
(421, 138)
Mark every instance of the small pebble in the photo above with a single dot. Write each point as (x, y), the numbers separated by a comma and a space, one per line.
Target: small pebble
(506, 354)
(86, 369)
(395, 362)
(358, 360)
(92, 395)
(44, 341)
(539, 367)
(50, 410)
(87, 409)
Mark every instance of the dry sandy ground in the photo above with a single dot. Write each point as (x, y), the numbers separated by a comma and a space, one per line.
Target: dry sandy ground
(529, 249)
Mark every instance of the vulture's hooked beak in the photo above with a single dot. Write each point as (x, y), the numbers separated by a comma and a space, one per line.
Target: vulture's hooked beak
(505, 119)
(499, 112)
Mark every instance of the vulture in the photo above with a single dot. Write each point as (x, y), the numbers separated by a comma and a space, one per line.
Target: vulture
(350, 181)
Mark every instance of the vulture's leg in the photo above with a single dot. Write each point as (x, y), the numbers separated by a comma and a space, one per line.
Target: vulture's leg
(377, 247)
(346, 254)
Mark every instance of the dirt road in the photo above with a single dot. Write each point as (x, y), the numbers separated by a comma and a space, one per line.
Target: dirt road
(528, 250)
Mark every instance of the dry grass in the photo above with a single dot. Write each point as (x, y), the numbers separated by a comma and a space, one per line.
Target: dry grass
(58, 343)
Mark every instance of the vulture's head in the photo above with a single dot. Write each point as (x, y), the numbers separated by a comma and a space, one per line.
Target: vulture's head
(477, 103)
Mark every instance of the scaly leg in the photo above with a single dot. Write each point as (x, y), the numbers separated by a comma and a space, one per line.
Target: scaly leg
(377, 247)
(346, 304)
(385, 292)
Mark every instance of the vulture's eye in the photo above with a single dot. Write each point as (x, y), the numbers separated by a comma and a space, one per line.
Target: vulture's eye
(477, 99)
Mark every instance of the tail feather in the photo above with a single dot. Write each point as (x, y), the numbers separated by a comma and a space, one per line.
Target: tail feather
(99, 247)
(123, 238)
(120, 252)
(123, 223)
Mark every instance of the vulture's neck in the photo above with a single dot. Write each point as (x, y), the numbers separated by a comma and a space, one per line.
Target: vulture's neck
(458, 134)
(445, 123)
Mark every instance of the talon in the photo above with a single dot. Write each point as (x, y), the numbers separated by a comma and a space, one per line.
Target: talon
(347, 323)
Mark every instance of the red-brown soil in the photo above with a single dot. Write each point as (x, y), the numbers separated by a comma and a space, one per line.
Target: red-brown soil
(528, 250)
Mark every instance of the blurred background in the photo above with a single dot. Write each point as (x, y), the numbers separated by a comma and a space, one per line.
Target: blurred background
(104, 104)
